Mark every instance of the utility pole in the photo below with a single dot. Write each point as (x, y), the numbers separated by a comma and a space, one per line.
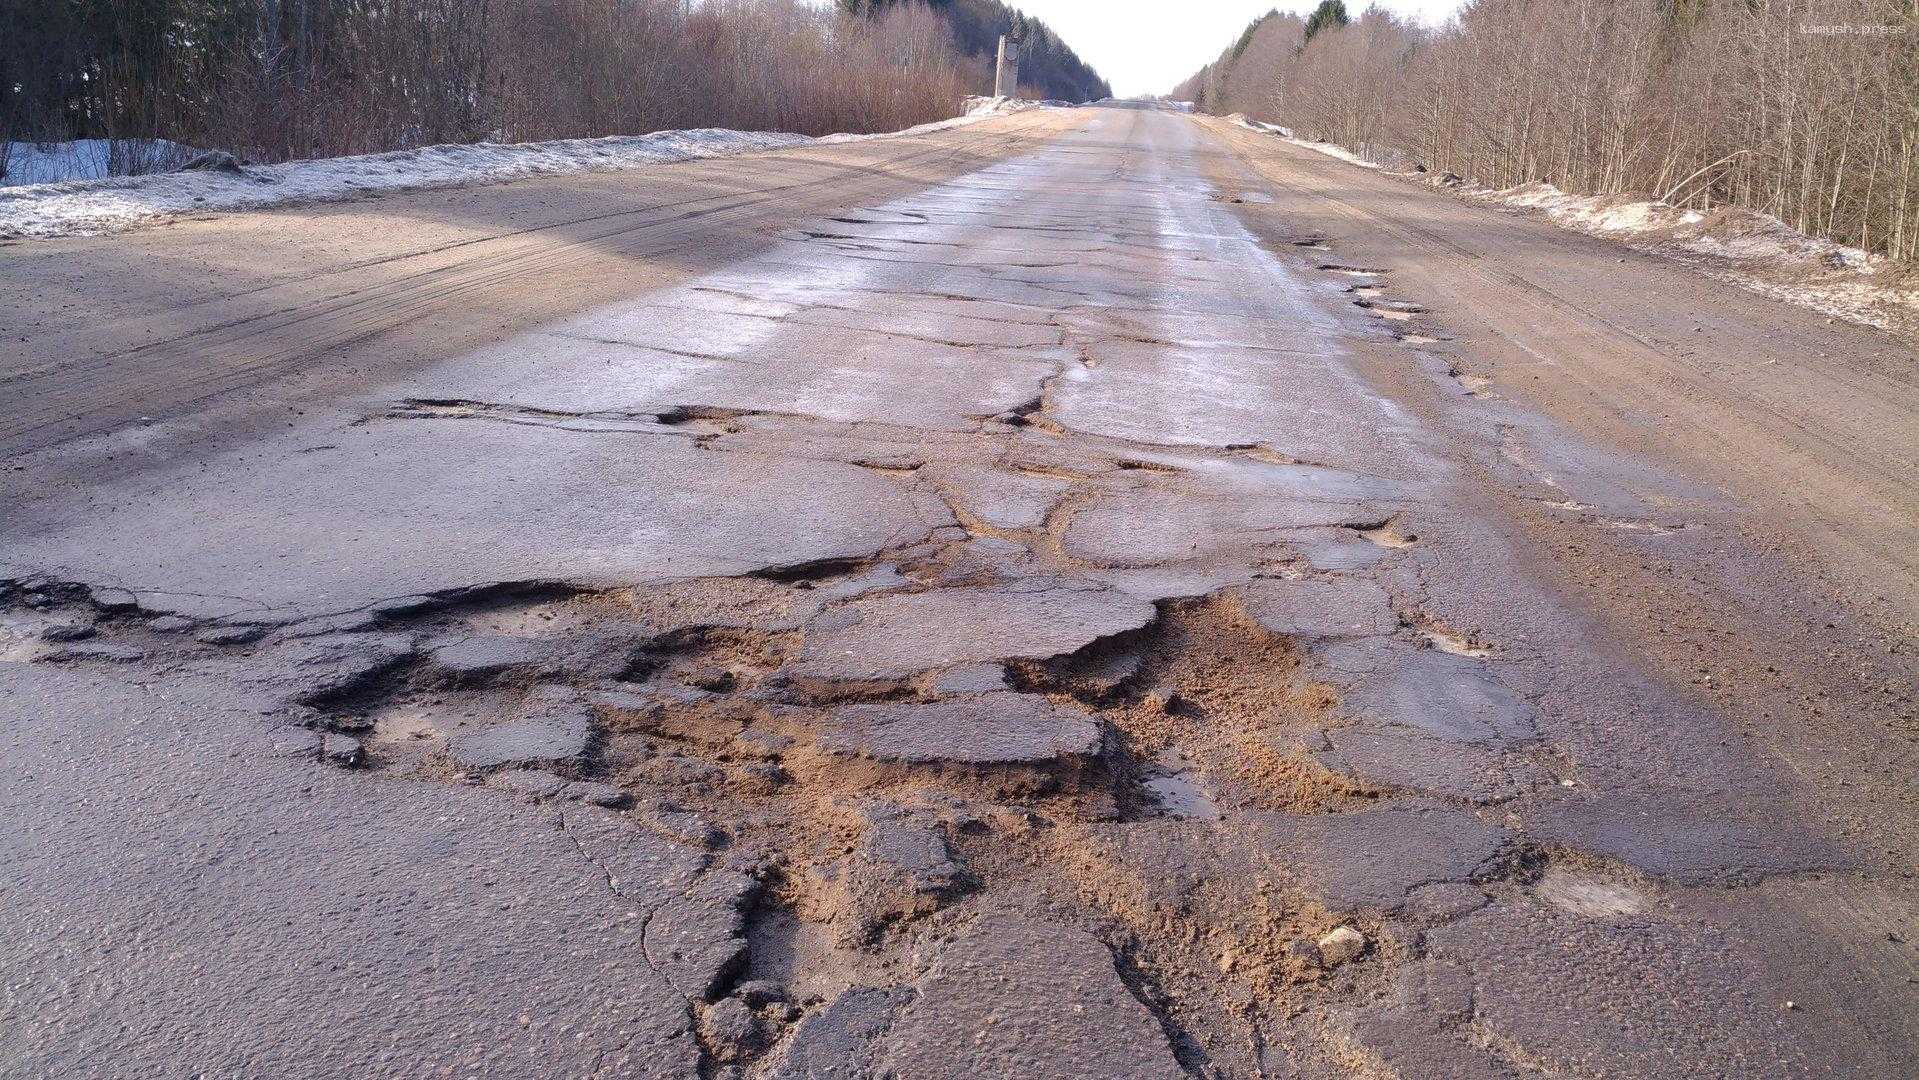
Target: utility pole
(1006, 74)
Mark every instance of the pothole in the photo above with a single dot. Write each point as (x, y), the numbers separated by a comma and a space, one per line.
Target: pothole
(682, 707)
(1652, 528)
(1208, 925)
(1266, 454)
(1178, 790)
(1447, 640)
(21, 637)
(1586, 894)
(808, 958)
(1474, 385)
(1147, 466)
(1211, 703)
(1388, 535)
(412, 728)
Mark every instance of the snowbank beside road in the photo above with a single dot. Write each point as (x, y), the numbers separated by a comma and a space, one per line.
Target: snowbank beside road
(1329, 149)
(1260, 126)
(1332, 150)
(973, 110)
(1724, 233)
(82, 207)
(85, 207)
(1754, 251)
(88, 159)
(1590, 213)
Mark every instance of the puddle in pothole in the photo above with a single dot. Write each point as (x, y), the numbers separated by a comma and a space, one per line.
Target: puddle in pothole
(1179, 790)
(1418, 339)
(1389, 313)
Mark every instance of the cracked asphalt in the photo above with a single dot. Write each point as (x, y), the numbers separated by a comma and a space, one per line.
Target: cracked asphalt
(1091, 593)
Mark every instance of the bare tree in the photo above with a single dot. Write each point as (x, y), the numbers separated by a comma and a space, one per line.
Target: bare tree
(281, 79)
(1808, 112)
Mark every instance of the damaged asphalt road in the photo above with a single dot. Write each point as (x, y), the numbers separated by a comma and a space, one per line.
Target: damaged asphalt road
(1052, 619)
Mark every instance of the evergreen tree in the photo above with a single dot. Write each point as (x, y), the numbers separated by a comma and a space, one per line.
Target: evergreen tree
(1046, 63)
(1329, 14)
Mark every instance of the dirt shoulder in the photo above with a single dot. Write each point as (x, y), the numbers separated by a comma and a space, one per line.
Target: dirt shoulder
(1811, 422)
(1777, 575)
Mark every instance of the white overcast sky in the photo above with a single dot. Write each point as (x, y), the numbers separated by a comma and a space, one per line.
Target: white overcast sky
(1146, 46)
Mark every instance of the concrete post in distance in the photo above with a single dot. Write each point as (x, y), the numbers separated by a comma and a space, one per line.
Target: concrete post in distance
(1006, 74)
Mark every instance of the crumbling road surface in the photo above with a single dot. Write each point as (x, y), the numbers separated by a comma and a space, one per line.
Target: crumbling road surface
(1094, 593)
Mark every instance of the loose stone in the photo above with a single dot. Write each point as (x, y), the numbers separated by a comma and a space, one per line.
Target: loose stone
(343, 750)
(1340, 946)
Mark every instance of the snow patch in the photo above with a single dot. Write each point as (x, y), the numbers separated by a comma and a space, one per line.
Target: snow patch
(1339, 152)
(973, 110)
(1594, 213)
(1755, 251)
(977, 107)
(88, 159)
(1260, 126)
(83, 207)
(1329, 149)
(99, 204)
